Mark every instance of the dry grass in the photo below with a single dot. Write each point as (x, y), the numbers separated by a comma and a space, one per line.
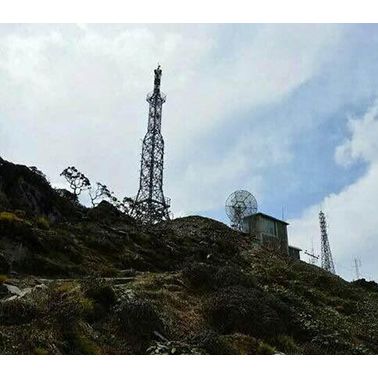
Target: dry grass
(6, 216)
(3, 278)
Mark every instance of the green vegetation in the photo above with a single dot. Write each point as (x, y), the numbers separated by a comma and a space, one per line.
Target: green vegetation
(6, 216)
(189, 286)
(247, 311)
(264, 348)
(17, 312)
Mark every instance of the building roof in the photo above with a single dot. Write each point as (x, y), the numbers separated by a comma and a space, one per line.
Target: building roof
(267, 216)
(296, 248)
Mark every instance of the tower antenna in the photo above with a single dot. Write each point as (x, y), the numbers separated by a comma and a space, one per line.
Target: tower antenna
(326, 254)
(150, 205)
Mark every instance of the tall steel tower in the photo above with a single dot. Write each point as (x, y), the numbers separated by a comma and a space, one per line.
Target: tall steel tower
(150, 205)
(326, 255)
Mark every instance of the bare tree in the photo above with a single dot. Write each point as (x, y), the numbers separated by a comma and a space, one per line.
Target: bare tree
(77, 180)
(101, 191)
(124, 206)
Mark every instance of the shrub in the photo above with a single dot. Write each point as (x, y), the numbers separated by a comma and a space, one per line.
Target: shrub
(264, 348)
(76, 340)
(199, 275)
(334, 285)
(15, 227)
(140, 238)
(139, 318)
(87, 307)
(233, 276)
(212, 343)
(249, 311)
(101, 292)
(67, 304)
(330, 343)
(242, 344)
(17, 312)
(42, 222)
(81, 344)
(102, 297)
(285, 313)
(346, 307)
(368, 285)
(227, 247)
(287, 344)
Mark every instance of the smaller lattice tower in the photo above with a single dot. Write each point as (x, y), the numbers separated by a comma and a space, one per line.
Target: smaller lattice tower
(326, 255)
(357, 266)
(150, 204)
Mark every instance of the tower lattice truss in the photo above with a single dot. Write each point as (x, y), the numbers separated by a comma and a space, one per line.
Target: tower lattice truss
(326, 255)
(150, 205)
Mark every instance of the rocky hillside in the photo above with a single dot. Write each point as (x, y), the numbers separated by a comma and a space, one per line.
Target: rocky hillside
(93, 281)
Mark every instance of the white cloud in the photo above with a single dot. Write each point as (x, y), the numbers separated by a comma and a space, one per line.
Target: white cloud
(75, 95)
(352, 214)
(363, 143)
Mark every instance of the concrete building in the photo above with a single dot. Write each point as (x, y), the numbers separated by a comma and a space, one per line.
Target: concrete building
(270, 232)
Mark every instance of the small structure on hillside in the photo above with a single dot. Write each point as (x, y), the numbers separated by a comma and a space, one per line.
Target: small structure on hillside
(294, 252)
(270, 232)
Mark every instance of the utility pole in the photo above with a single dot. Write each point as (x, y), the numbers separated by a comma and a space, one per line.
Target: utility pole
(326, 254)
(150, 205)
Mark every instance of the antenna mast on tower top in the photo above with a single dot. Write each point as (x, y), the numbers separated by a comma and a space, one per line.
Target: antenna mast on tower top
(150, 205)
(326, 255)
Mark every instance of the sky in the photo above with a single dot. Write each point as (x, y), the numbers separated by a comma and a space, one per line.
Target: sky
(288, 112)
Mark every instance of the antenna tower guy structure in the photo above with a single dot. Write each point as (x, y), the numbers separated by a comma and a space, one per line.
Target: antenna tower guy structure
(150, 205)
(326, 255)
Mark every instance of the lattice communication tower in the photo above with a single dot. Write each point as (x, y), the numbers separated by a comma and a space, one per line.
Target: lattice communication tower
(150, 204)
(326, 254)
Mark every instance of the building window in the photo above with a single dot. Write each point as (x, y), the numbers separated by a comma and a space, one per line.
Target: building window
(269, 227)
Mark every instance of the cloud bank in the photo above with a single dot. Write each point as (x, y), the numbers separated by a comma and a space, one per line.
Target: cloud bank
(352, 214)
(74, 94)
